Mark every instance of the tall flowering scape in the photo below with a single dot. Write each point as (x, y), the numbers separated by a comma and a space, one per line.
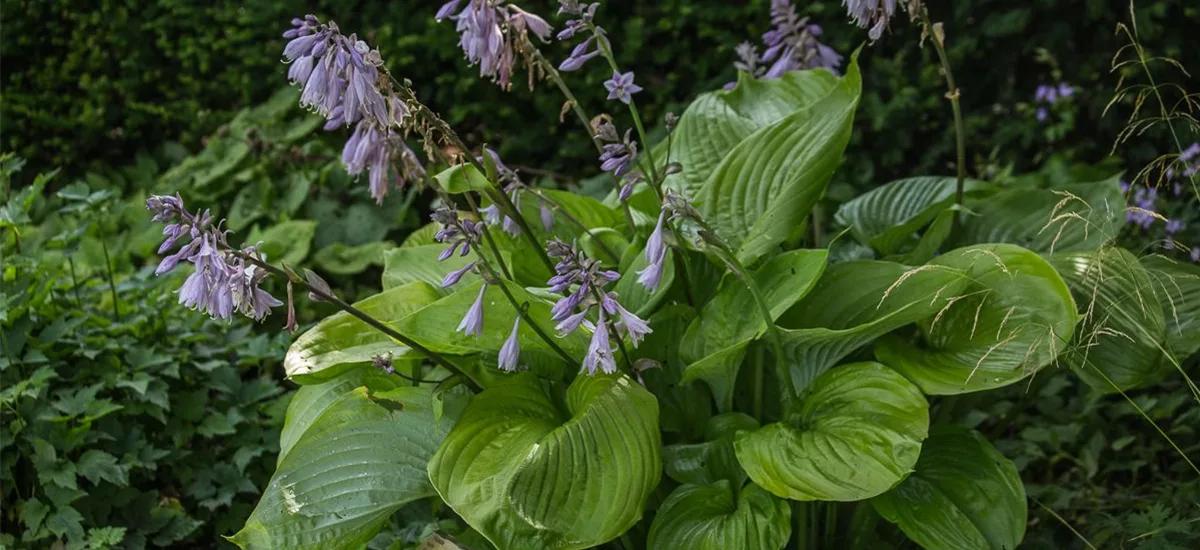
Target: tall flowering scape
(339, 77)
(223, 281)
(491, 33)
(1047, 95)
(589, 280)
(791, 45)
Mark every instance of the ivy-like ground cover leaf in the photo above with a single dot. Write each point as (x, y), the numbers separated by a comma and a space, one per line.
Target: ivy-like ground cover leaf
(768, 183)
(1015, 317)
(709, 517)
(964, 495)
(531, 471)
(855, 432)
(357, 463)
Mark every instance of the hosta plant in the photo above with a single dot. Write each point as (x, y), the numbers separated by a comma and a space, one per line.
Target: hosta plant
(677, 365)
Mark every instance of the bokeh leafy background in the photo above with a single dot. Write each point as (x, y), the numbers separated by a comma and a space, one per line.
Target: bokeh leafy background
(128, 98)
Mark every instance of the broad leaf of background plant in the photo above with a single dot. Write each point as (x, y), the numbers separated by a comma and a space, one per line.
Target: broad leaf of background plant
(1178, 288)
(341, 342)
(965, 495)
(287, 242)
(712, 460)
(362, 459)
(1015, 317)
(682, 408)
(765, 187)
(1068, 217)
(855, 433)
(634, 295)
(853, 304)
(1120, 340)
(420, 263)
(715, 342)
(717, 121)
(709, 517)
(340, 259)
(311, 402)
(528, 473)
(888, 216)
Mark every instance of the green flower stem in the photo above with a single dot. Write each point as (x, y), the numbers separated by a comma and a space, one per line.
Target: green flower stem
(112, 285)
(606, 53)
(960, 129)
(487, 236)
(362, 316)
(758, 384)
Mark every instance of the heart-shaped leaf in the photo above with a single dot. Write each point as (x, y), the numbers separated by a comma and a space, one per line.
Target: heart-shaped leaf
(341, 342)
(1015, 317)
(311, 402)
(711, 517)
(530, 473)
(965, 495)
(1067, 217)
(888, 216)
(766, 185)
(712, 460)
(420, 263)
(855, 433)
(357, 463)
(1120, 340)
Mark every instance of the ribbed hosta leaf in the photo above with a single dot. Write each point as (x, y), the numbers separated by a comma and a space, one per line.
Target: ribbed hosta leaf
(1178, 288)
(634, 295)
(715, 341)
(717, 121)
(358, 462)
(1120, 340)
(856, 432)
(766, 185)
(1015, 317)
(709, 517)
(311, 402)
(712, 460)
(888, 216)
(404, 265)
(341, 342)
(965, 495)
(853, 304)
(1065, 218)
(528, 473)
(567, 206)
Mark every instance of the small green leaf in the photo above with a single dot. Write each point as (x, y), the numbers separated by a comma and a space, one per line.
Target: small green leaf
(709, 517)
(96, 465)
(529, 474)
(855, 433)
(964, 495)
(462, 178)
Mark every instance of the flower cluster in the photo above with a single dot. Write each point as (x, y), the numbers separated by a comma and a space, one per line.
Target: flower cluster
(1050, 95)
(872, 14)
(1145, 202)
(224, 281)
(491, 32)
(619, 152)
(339, 77)
(590, 47)
(589, 280)
(1189, 161)
(676, 207)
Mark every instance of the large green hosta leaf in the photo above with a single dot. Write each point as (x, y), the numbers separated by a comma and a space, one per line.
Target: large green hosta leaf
(716, 341)
(712, 460)
(311, 402)
(766, 185)
(1178, 288)
(717, 121)
(853, 304)
(404, 265)
(1014, 318)
(855, 433)
(1064, 218)
(965, 495)
(888, 216)
(712, 517)
(341, 342)
(1120, 341)
(357, 463)
(528, 471)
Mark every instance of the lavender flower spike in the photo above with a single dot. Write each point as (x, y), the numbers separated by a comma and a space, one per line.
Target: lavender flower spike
(599, 353)
(510, 352)
(621, 87)
(472, 322)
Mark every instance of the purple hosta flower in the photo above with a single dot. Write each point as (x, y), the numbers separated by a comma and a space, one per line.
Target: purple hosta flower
(383, 363)
(581, 54)
(524, 21)
(546, 214)
(619, 153)
(459, 233)
(621, 87)
(872, 14)
(599, 353)
(338, 74)
(1046, 94)
(792, 43)
(1065, 90)
(510, 352)
(1174, 226)
(383, 153)
(585, 12)
(626, 192)
(1195, 255)
(223, 282)
(1143, 215)
(635, 327)
(1190, 153)
(656, 254)
(489, 34)
(472, 322)
(453, 277)
(748, 59)
(1041, 114)
(1124, 187)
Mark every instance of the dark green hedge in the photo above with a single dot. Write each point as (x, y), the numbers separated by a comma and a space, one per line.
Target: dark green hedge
(95, 82)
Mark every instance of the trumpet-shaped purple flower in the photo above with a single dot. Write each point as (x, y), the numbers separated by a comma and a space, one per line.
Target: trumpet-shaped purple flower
(656, 254)
(472, 322)
(619, 153)
(790, 45)
(580, 55)
(453, 277)
(510, 352)
(599, 353)
(621, 87)
(490, 33)
(334, 70)
(872, 14)
(378, 151)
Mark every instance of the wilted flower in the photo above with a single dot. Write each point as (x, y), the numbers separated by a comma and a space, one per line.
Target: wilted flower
(383, 363)
(224, 281)
(621, 87)
(872, 14)
(380, 150)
